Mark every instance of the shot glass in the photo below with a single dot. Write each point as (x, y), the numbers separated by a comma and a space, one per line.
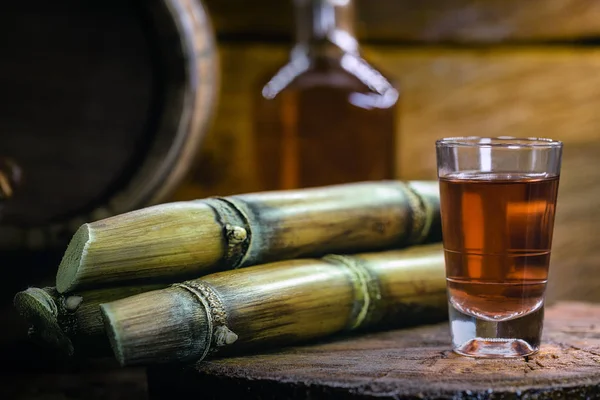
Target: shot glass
(498, 200)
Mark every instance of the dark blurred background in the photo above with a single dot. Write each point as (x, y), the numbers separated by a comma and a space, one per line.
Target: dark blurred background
(110, 105)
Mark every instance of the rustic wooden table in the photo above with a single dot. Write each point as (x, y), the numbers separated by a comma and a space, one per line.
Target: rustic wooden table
(403, 364)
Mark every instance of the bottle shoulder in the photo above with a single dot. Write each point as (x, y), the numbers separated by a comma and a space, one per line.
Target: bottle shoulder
(348, 72)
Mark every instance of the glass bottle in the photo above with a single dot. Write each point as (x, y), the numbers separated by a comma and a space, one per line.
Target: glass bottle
(326, 116)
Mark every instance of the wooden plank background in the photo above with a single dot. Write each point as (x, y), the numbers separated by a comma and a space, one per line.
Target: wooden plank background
(463, 21)
(445, 92)
(525, 91)
(465, 67)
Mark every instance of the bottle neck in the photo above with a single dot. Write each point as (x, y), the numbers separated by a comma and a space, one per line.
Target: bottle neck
(324, 27)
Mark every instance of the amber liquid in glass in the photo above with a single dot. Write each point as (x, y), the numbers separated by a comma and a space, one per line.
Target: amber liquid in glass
(322, 130)
(497, 231)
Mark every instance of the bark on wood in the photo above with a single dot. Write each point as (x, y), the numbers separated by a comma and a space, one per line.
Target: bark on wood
(426, 21)
(405, 364)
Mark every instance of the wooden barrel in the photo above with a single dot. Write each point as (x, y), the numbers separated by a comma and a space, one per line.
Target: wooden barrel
(104, 105)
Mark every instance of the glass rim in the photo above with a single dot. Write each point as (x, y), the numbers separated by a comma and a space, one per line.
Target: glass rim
(499, 141)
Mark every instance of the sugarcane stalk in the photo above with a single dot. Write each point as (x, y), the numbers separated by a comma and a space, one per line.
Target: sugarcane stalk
(176, 241)
(71, 324)
(276, 304)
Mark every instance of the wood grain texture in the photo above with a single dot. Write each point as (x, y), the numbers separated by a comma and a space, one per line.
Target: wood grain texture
(575, 260)
(405, 364)
(528, 91)
(552, 92)
(426, 21)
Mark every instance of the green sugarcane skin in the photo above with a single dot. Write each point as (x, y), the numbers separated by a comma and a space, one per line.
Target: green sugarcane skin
(162, 243)
(315, 298)
(178, 241)
(276, 304)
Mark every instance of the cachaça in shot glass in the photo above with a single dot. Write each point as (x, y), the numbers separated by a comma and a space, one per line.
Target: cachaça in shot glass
(498, 200)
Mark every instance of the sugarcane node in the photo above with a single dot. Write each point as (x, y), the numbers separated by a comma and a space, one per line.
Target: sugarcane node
(72, 303)
(367, 292)
(236, 229)
(166, 315)
(235, 234)
(219, 334)
(418, 226)
(224, 336)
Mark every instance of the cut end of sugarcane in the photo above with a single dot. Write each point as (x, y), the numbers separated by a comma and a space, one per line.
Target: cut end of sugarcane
(112, 329)
(68, 275)
(161, 326)
(38, 307)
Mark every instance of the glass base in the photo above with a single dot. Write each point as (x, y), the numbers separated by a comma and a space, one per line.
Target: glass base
(495, 348)
(475, 337)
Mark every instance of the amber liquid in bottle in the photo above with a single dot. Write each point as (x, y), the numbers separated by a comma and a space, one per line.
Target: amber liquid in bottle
(326, 117)
(497, 237)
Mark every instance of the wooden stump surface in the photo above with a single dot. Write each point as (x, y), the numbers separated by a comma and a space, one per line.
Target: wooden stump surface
(404, 364)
